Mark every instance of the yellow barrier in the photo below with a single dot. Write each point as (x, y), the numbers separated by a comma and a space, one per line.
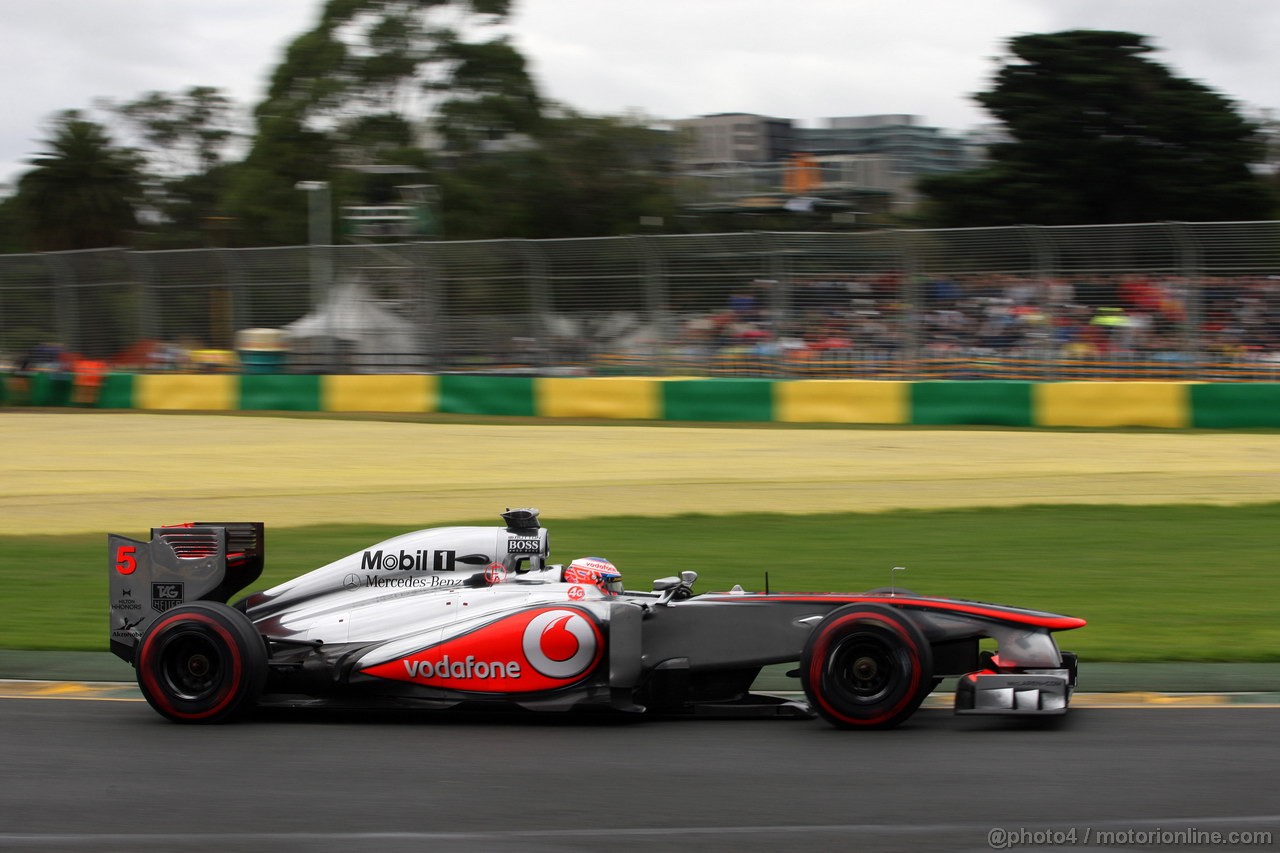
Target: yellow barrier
(842, 401)
(208, 392)
(1112, 404)
(618, 398)
(380, 393)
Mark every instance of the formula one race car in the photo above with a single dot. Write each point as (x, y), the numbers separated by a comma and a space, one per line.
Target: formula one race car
(474, 617)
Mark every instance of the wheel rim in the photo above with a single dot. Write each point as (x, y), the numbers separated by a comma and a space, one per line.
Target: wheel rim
(191, 666)
(865, 668)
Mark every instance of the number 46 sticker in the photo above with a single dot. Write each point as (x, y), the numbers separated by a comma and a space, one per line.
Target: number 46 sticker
(126, 562)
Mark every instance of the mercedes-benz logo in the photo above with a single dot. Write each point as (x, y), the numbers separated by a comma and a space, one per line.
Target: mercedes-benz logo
(351, 581)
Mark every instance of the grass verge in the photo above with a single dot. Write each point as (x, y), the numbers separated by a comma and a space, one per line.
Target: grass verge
(1165, 583)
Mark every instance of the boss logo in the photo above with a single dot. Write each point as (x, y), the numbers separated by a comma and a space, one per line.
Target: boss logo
(524, 546)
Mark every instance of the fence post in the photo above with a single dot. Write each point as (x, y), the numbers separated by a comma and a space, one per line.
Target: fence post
(1189, 266)
(1044, 265)
(65, 300)
(539, 295)
(140, 268)
(779, 270)
(427, 304)
(653, 274)
(913, 298)
(233, 283)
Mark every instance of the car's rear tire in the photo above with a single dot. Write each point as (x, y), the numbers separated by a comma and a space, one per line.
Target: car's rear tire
(202, 662)
(866, 666)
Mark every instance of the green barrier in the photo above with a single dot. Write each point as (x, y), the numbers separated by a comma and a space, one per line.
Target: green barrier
(4, 389)
(938, 403)
(280, 393)
(1232, 406)
(976, 403)
(487, 395)
(117, 391)
(50, 389)
(717, 400)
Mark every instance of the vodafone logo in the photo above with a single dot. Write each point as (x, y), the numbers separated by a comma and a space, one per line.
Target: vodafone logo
(541, 649)
(576, 593)
(560, 643)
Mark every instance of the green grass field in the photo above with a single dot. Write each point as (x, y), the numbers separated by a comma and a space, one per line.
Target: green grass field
(1157, 583)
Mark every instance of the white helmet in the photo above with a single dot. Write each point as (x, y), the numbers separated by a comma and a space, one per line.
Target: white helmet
(597, 571)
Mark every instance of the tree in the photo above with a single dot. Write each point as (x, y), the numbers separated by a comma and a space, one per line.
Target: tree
(1102, 134)
(263, 198)
(489, 94)
(185, 139)
(579, 176)
(359, 89)
(11, 231)
(83, 190)
(181, 134)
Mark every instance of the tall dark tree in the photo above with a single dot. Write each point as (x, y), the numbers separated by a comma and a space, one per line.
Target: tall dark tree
(83, 190)
(580, 176)
(406, 60)
(1100, 133)
(488, 95)
(181, 133)
(11, 229)
(185, 139)
(362, 86)
(263, 199)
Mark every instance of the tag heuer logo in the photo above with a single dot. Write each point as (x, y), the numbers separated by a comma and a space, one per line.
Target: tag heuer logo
(165, 596)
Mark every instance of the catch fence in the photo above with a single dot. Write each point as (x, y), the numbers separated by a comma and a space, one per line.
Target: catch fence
(1164, 301)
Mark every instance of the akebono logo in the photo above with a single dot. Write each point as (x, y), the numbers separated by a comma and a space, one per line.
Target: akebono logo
(409, 561)
(537, 650)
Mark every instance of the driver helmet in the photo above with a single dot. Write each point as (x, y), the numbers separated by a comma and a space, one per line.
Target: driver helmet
(597, 571)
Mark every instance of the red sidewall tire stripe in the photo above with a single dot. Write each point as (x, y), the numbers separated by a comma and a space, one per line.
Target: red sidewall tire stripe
(158, 694)
(818, 661)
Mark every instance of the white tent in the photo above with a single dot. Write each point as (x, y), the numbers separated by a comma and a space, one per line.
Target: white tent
(353, 330)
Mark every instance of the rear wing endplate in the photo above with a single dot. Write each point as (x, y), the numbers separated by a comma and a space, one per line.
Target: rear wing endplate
(204, 561)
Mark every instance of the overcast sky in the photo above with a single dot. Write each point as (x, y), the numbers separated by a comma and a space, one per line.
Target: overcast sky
(798, 59)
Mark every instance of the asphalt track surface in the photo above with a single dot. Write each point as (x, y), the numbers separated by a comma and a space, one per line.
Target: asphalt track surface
(112, 775)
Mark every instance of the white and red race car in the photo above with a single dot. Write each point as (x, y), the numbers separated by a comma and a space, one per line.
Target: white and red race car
(477, 617)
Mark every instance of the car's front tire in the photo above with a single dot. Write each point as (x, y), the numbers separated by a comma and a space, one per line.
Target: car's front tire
(202, 662)
(866, 666)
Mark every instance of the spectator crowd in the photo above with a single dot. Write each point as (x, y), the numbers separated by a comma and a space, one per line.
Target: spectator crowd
(1130, 319)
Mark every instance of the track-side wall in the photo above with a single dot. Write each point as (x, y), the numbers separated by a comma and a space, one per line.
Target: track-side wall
(1016, 404)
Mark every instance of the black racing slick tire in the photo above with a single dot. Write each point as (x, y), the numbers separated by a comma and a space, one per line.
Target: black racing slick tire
(202, 662)
(866, 666)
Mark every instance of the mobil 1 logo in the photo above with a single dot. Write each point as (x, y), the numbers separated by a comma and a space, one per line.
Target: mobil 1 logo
(165, 596)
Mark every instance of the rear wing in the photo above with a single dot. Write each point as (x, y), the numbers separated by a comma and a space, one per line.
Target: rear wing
(204, 561)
